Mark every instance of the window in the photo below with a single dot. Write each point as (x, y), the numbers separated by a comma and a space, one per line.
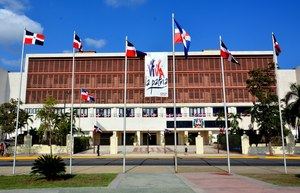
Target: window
(59, 111)
(129, 112)
(103, 112)
(32, 111)
(245, 111)
(81, 112)
(170, 112)
(149, 112)
(197, 112)
(180, 124)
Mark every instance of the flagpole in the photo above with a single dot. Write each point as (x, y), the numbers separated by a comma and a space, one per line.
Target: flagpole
(174, 97)
(72, 103)
(124, 111)
(225, 111)
(18, 107)
(280, 115)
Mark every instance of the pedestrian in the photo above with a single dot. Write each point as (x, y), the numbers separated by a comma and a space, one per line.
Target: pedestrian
(186, 149)
(98, 149)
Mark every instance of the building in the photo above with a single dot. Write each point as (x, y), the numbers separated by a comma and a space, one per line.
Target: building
(198, 87)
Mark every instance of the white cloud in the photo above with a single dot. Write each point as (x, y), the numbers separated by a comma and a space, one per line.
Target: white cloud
(118, 3)
(13, 24)
(95, 43)
(14, 5)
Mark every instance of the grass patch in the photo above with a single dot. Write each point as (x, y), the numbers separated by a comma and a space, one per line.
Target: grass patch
(78, 180)
(277, 179)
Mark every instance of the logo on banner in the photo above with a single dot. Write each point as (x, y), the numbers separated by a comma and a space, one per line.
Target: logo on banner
(156, 75)
(198, 123)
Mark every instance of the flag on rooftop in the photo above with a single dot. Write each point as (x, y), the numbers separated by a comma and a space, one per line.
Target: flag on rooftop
(226, 54)
(77, 43)
(276, 46)
(132, 52)
(33, 38)
(181, 36)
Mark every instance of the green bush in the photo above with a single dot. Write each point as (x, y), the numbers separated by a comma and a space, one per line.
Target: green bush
(234, 141)
(51, 167)
(81, 143)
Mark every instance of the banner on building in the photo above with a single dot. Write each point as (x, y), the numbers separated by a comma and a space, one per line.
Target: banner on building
(156, 75)
(198, 123)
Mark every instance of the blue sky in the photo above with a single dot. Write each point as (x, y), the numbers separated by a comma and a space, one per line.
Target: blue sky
(103, 25)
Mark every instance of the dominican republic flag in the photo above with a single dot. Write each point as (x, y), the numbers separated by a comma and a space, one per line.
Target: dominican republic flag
(226, 54)
(276, 46)
(84, 94)
(91, 99)
(97, 129)
(34, 38)
(181, 36)
(132, 52)
(77, 43)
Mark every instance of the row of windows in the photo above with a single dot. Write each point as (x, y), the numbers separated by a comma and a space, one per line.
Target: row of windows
(146, 112)
(193, 63)
(135, 80)
(183, 95)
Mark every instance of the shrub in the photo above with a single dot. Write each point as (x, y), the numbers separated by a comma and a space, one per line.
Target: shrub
(81, 143)
(49, 166)
(234, 141)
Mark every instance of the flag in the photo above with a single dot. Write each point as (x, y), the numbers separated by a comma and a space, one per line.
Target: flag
(33, 38)
(84, 94)
(91, 98)
(181, 36)
(77, 43)
(226, 54)
(97, 129)
(132, 52)
(276, 46)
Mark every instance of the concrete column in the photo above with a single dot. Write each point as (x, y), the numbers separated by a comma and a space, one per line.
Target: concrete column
(138, 134)
(113, 143)
(68, 143)
(28, 143)
(186, 138)
(245, 144)
(199, 144)
(180, 138)
(162, 138)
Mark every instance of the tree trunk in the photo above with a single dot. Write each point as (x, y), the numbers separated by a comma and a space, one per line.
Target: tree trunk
(50, 142)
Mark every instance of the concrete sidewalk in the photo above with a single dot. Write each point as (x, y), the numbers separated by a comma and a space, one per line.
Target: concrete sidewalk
(206, 182)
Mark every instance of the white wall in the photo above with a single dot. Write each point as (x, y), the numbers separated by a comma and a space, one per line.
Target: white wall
(14, 85)
(285, 78)
(3, 86)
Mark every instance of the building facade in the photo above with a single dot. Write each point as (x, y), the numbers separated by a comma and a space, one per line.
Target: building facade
(198, 93)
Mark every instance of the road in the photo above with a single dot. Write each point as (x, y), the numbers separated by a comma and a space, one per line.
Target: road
(166, 162)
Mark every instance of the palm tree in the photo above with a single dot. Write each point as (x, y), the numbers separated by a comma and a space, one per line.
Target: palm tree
(48, 117)
(292, 106)
(234, 122)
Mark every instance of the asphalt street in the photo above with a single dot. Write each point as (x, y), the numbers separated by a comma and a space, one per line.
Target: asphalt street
(164, 162)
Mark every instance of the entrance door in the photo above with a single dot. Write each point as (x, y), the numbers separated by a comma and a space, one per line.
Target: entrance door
(150, 138)
(169, 138)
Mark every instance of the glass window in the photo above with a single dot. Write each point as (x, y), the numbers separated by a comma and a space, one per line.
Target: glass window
(103, 112)
(129, 112)
(170, 112)
(197, 112)
(81, 112)
(149, 112)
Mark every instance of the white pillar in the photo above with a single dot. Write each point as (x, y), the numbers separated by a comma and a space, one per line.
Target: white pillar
(199, 144)
(162, 138)
(245, 144)
(138, 134)
(28, 142)
(186, 138)
(114, 143)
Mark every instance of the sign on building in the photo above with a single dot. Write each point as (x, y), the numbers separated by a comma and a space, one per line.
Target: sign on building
(156, 75)
(198, 123)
